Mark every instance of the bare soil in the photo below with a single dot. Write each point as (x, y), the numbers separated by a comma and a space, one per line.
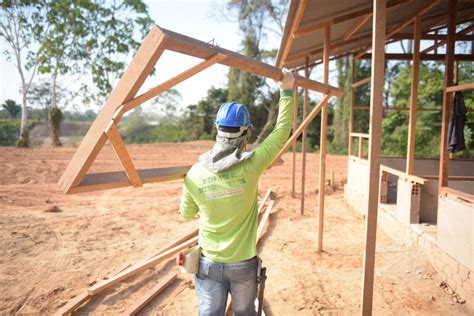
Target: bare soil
(54, 246)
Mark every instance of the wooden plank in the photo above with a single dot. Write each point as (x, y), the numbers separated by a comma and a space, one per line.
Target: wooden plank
(467, 86)
(361, 135)
(173, 81)
(361, 82)
(193, 47)
(131, 81)
(118, 179)
(428, 57)
(122, 154)
(304, 141)
(376, 101)
(410, 163)
(454, 178)
(402, 25)
(263, 221)
(402, 175)
(303, 124)
(150, 295)
(447, 97)
(341, 18)
(80, 299)
(140, 267)
(295, 143)
(300, 9)
(452, 193)
(323, 139)
(351, 106)
(438, 37)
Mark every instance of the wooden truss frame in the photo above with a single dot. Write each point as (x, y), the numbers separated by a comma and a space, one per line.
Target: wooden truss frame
(123, 98)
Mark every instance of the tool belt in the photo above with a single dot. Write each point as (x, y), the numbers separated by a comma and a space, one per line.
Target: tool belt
(188, 260)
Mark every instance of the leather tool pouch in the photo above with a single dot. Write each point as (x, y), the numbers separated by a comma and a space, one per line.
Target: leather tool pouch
(188, 260)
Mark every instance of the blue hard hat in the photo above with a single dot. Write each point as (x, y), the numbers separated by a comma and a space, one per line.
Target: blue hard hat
(233, 114)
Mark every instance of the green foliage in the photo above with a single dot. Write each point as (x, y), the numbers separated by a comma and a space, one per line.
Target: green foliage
(9, 132)
(12, 108)
(24, 140)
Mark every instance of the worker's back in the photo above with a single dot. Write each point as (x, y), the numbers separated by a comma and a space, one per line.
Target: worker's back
(227, 200)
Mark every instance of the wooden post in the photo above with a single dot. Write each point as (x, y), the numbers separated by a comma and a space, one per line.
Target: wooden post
(305, 138)
(375, 132)
(322, 148)
(448, 81)
(361, 147)
(295, 143)
(353, 99)
(413, 97)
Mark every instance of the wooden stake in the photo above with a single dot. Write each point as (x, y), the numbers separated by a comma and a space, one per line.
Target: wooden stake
(295, 142)
(150, 295)
(122, 154)
(304, 141)
(323, 139)
(447, 97)
(376, 101)
(413, 97)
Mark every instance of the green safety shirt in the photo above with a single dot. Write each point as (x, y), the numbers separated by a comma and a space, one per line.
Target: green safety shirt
(227, 200)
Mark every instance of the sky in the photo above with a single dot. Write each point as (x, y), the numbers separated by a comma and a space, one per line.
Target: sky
(194, 18)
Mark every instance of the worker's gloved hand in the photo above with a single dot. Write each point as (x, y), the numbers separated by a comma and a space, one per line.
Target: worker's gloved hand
(288, 80)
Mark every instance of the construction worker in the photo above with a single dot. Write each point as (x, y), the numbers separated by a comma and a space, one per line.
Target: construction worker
(222, 189)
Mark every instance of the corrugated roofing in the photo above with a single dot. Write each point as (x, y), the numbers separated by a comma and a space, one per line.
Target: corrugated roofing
(344, 14)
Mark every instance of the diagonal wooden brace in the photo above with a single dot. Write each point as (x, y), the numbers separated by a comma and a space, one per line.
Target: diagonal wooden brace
(122, 154)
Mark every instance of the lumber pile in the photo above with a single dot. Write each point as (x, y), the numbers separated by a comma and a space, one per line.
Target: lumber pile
(166, 252)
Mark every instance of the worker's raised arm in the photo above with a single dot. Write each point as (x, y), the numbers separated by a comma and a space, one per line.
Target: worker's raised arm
(270, 147)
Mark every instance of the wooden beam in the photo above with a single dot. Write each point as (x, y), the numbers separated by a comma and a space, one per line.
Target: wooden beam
(150, 295)
(410, 163)
(263, 221)
(131, 81)
(361, 135)
(140, 267)
(361, 82)
(304, 141)
(357, 25)
(341, 18)
(295, 143)
(300, 128)
(193, 47)
(467, 86)
(402, 25)
(375, 132)
(351, 106)
(300, 9)
(122, 154)
(173, 81)
(429, 57)
(443, 42)
(447, 97)
(323, 139)
(118, 179)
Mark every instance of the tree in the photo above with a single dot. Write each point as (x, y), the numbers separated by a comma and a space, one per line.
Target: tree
(256, 19)
(23, 29)
(12, 108)
(93, 33)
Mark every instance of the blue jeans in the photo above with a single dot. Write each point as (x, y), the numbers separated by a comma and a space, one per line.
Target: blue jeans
(215, 280)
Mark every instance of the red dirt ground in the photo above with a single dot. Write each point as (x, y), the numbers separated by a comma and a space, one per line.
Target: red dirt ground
(50, 257)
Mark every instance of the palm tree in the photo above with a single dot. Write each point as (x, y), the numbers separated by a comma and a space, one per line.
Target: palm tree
(12, 108)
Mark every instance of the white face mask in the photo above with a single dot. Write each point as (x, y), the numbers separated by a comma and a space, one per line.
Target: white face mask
(232, 135)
